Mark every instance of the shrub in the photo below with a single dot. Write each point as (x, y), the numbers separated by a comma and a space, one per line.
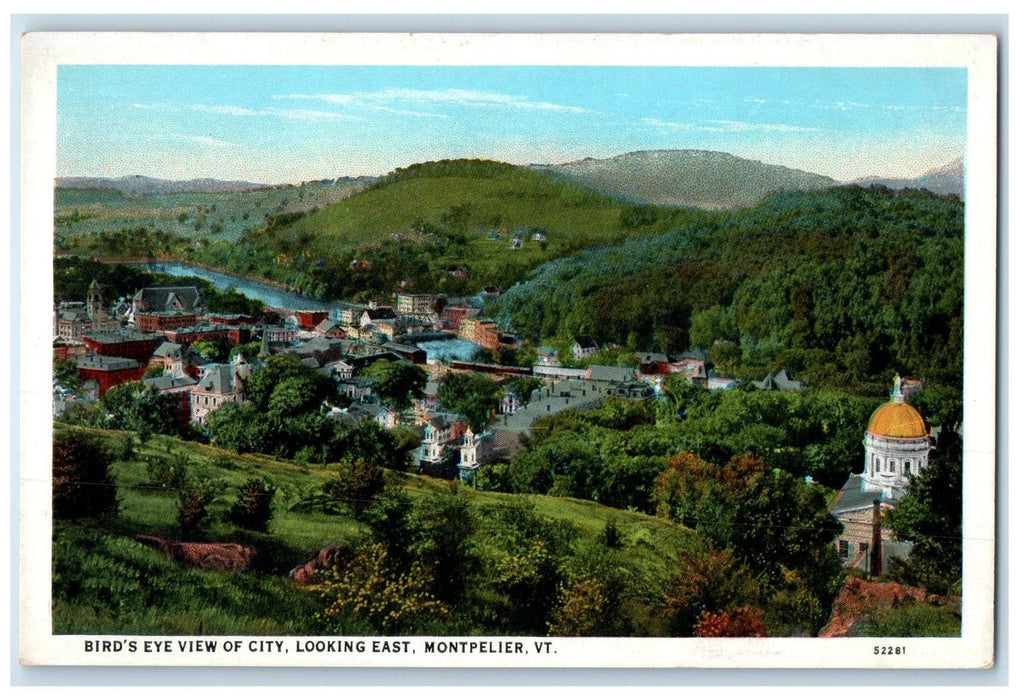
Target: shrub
(82, 484)
(582, 611)
(367, 590)
(253, 509)
(358, 484)
(743, 622)
(192, 512)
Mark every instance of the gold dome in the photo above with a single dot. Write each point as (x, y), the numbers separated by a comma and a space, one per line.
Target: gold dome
(897, 420)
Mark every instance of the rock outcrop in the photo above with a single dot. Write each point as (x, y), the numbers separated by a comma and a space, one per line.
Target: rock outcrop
(211, 556)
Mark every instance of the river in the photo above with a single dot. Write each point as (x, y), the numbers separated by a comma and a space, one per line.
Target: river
(268, 295)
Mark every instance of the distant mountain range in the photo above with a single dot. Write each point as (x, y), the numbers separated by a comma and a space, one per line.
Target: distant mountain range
(948, 179)
(139, 185)
(677, 178)
(702, 179)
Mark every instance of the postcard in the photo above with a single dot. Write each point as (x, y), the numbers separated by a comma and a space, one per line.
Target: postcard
(508, 350)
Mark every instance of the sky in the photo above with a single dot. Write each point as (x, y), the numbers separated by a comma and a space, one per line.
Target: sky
(288, 124)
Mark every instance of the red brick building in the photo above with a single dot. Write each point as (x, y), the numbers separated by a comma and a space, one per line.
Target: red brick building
(310, 318)
(162, 321)
(179, 388)
(484, 333)
(131, 344)
(235, 335)
(232, 319)
(108, 372)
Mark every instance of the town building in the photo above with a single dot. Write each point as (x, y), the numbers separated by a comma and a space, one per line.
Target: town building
(65, 350)
(480, 331)
(231, 319)
(179, 388)
(438, 450)
(72, 321)
(172, 357)
(235, 335)
(415, 304)
(330, 329)
(109, 371)
(584, 347)
(101, 319)
(162, 299)
(897, 446)
(451, 316)
(510, 403)
(475, 451)
(123, 343)
(158, 321)
(221, 384)
(780, 381)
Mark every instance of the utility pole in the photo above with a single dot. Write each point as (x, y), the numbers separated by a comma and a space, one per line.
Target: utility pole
(875, 540)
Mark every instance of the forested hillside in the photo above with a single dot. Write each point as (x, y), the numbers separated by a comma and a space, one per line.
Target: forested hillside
(842, 286)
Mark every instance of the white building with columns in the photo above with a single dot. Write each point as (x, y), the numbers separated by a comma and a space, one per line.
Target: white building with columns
(897, 445)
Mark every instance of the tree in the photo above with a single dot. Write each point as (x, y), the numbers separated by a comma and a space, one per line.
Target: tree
(472, 395)
(253, 509)
(192, 510)
(708, 580)
(358, 484)
(711, 326)
(445, 526)
(310, 389)
(369, 442)
(217, 350)
(930, 516)
(82, 483)
(133, 406)
(283, 414)
(66, 372)
(397, 384)
(582, 610)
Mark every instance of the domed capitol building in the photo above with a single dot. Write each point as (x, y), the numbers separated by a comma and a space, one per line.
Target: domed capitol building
(897, 445)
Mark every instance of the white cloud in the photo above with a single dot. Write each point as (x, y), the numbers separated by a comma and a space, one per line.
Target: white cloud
(203, 140)
(751, 126)
(300, 114)
(382, 99)
(725, 126)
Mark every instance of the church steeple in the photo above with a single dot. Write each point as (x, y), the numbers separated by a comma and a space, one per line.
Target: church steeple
(95, 302)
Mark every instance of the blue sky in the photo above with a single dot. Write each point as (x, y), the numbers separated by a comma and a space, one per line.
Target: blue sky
(277, 124)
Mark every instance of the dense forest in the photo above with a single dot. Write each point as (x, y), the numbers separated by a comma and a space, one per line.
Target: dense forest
(843, 287)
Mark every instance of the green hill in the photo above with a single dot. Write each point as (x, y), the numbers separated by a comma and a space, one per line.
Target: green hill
(420, 224)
